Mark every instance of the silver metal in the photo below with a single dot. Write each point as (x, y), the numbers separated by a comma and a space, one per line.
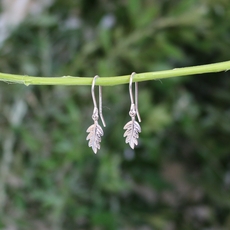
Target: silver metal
(132, 127)
(95, 131)
(100, 99)
(136, 95)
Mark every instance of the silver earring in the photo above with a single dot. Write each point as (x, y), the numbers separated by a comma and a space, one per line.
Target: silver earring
(95, 131)
(132, 127)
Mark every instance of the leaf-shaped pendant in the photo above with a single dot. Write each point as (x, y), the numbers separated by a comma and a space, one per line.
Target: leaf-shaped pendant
(95, 132)
(132, 132)
(132, 127)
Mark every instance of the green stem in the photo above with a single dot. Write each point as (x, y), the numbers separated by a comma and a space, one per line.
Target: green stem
(117, 80)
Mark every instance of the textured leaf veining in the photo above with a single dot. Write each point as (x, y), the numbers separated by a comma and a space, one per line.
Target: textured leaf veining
(95, 132)
(132, 133)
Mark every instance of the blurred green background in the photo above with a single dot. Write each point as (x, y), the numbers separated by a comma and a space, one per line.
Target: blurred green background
(178, 178)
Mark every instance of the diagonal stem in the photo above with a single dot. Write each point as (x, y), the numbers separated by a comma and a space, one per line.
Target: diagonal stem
(116, 80)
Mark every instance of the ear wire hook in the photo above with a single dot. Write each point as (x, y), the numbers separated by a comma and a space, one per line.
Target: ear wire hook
(100, 99)
(136, 95)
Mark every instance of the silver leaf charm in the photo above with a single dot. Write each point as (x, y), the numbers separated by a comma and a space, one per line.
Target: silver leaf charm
(132, 128)
(132, 133)
(95, 132)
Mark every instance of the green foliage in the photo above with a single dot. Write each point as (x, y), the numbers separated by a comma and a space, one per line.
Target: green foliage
(178, 176)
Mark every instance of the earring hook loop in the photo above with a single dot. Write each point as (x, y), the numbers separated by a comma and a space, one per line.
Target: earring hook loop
(136, 95)
(130, 87)
(92, 91)
(100, 99)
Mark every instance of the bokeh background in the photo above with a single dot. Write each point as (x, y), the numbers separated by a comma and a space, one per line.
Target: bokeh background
(178, 178)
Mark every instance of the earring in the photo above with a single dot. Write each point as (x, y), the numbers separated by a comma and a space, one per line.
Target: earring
(132, 127)
(95, 131)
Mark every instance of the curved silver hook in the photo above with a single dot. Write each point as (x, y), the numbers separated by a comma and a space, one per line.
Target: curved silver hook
(100, 99)
(92, 91)
(136, 95)
(130, 87)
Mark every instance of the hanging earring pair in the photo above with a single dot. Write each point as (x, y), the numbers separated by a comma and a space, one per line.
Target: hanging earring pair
(132, 127)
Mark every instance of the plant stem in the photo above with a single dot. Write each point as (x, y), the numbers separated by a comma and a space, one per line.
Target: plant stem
(117, 80)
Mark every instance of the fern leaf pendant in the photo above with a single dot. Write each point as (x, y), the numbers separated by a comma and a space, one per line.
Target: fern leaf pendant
(132, 129)
(95, 133)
